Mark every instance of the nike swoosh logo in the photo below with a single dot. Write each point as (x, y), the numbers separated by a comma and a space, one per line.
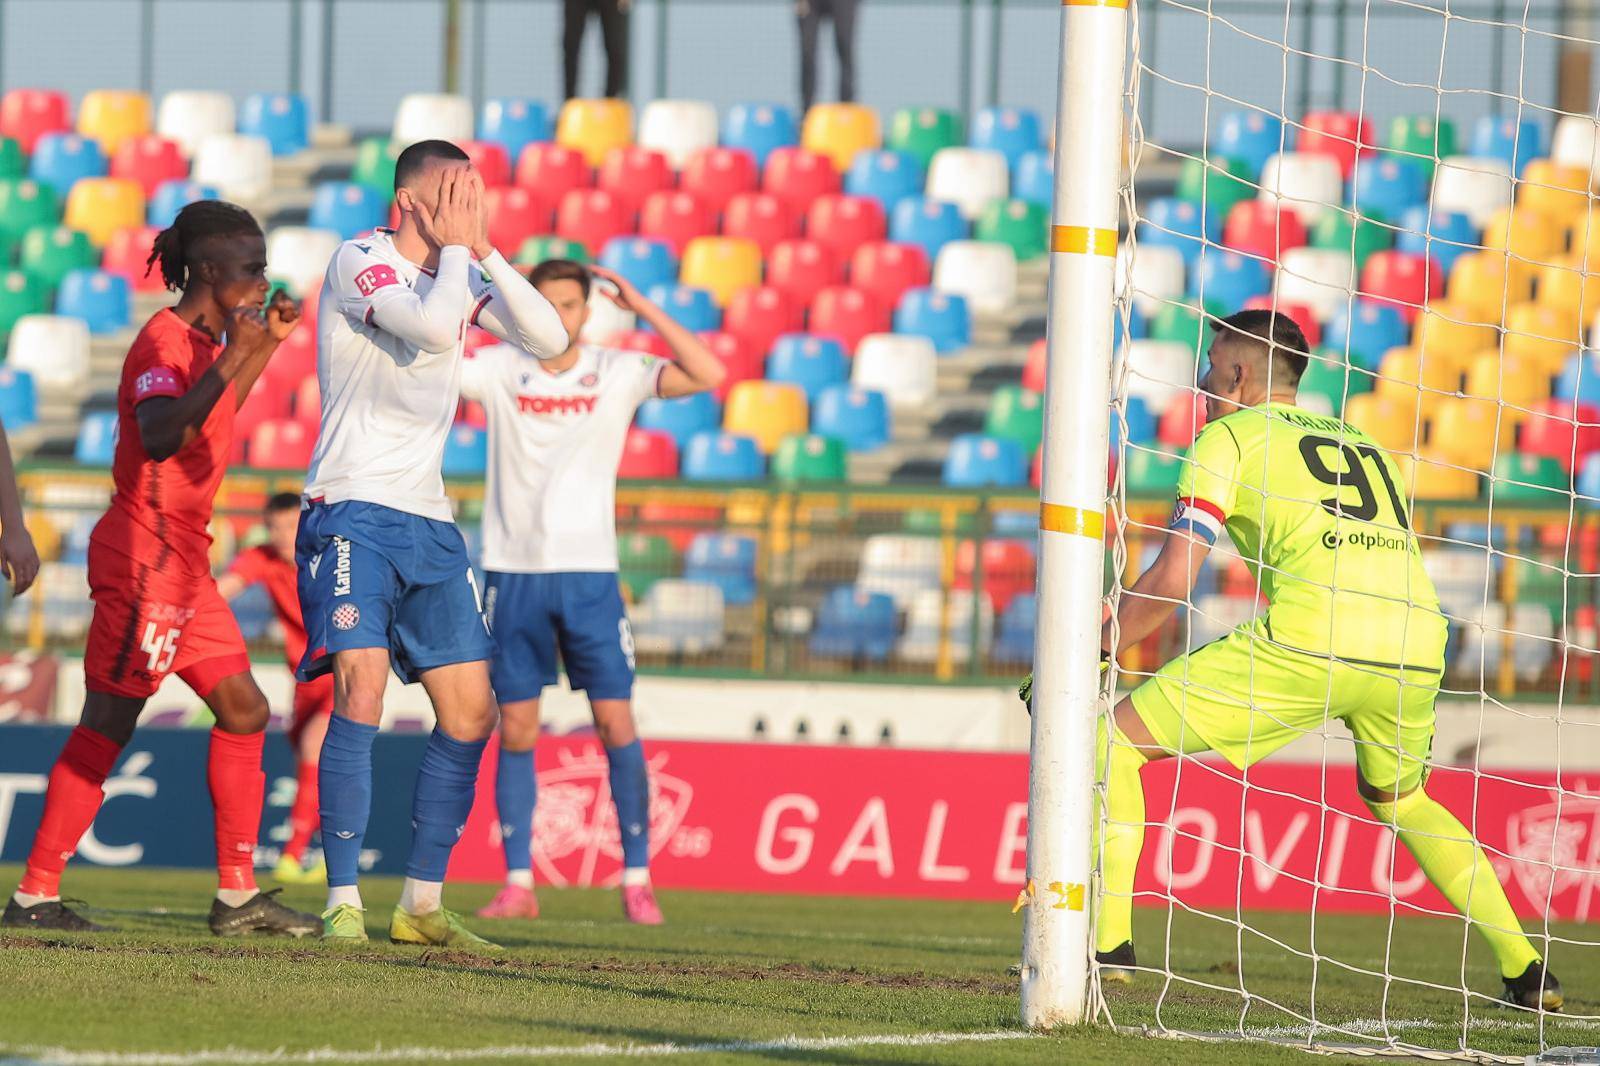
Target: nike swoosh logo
(316, 561)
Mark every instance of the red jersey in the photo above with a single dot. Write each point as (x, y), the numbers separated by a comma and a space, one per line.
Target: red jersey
(262, 564)
(160, 511)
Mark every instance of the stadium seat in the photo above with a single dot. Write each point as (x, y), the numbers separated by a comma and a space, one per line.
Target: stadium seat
(1479, 280)
(678, 129)
(844, 223)
(800, 269)
(853, 623)
(101, 206)
(1252, 138)
(900, 566)
(840, 132)
(594, 127)
(847, 313)
(1522, 383)
(103, 301)
(1573, 143)
(937, 622)
(717, 456)
(1509, 139)
(518, 214)
(284, 120)
(300, 256)
(1441, 235)
(13, 164)
(1158, 372)
(739, 361)
(112, 116)
(19, 402)
(1318, 278)
(53, 348)
(760, 217)
(374, 166)
(858, 417)
(1424, 478)
(1587, 483)
(1307, 317)
(929, 223)
(1470, 432)
(1022, 226)
(1005, 569)
(631, 173)
(1309, 183)
(347, 209)
(886, 176)
(940, 317)
(286, 444)
(1254, 227)
(1339, 134)
(693, 309)
(28, 114)
(760, 129)
(550, 171)
(1166, 220)
(1339, 231)
(489, 159)
(903, 368)
(643, 261)
(514, 122)
(1386, 187)
(1475, 186)
(984, 274)
(976, 461)
(1579, 379)
(1555, 190)
(922, 131)
(190, 116)
(758, 316)
(1546, 335)
(1403, 281)
(1182, 323)
(1532, 239)
(1224, 282)
(887, 270)
(591, 217)
(61, 159)
(800, 457)
(1423, 140)
(766, 411)
(1014, 643)
(648, 455)
(1451, 332)
(1420, 380)
(49, 253)
(721, 265)
(431, 116)
(681, 418)
(1153, 276)
(799, 176)
(536, 250)
(1181, 422)
(679, 618)
(641, 340)
(726, 560)
(1536, 479)
(808, 361)
(714, 176)
(1033, 180)
(1134, 417)
(20, 296)
(676, 217)
(1217, 182)
(1565, 430)
(1393, 423)
(1011, 131)
(151, 161)
(967, 177)
(97, 439)
(1016, 414)
(237, 165)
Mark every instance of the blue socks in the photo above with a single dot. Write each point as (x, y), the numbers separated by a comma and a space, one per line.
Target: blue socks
(344, 781)
(630, 791)
(516, 791)
(446, 781)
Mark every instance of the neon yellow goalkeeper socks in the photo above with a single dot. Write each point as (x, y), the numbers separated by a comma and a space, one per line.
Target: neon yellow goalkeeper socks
(1459, 869)
(1124, 837)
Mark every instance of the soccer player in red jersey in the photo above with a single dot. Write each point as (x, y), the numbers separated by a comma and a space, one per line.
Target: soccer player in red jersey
(156, 606)
(272, 566)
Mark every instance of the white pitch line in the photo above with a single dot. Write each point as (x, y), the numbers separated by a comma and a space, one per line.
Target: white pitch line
(283, 1057)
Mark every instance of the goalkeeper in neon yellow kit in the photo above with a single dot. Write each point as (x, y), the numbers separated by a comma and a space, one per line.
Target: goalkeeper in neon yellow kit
(1352, 631)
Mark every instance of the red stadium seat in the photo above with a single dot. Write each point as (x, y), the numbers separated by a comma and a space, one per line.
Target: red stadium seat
(847, 314)
(1008, 569)
(716, 175)
(1033, 367)
(592, 217)
(515, 214)
(295, 359)
(1262, 229)
(1404, 279)
(472, 413)
(307, 401)
(632, 173)
(642, 340)
(1339, 134)
(648, 454)
(1182, 421)
(844, 223)
(149, 160)
(262, 405)
(552, 170)
(801, 268)
(799, 176)
(282, 444)
(887, 269)
(28, 114)
(759, 316)
(680, 523)
(1564, 430)
(760, 217)
(1302, 315)
(126, 255)
(741, 362)
(490, 160)
(675, 217)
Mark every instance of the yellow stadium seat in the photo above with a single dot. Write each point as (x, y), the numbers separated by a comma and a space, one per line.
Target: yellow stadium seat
(1583, 237)
(1390, 422)
(1532, 238)
(1471, 432)
(1571, 285)
(1417, 378)
(1428, 478)
(766, 411)
(1449, 330)
(1545, 335)
(839, 131)
(1562, 192)
(594, 127)
(112, 116)
(1512, 379)
(102, 206)
(724, 265)
(1478, 279)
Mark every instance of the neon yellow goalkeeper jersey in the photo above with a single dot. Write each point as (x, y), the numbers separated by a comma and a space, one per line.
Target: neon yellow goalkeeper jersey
(1317, 510)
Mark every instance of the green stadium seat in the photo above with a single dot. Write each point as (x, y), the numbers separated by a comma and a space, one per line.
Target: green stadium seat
(642, 560)
(536, 250)
(1326, 376)
(1175, 322)
(374, 167)
(810, 457)
(1151, 473)
(1018, 223)
(25, 204)
(1016, 414)
(1548, 584)
(922, 131)
(20, 295)
(1336, 230)
(1424, 139)
(1529, 479)
(13, 164)
(1221, 182)
(48, 253)
(932, 520)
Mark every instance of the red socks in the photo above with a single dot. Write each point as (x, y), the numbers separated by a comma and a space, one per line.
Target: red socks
(70, 804)
(303, 815)
(237, 782)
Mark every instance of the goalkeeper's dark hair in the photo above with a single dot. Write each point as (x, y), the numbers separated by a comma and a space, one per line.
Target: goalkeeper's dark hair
(178, 247)
(562, 270)
(1274, 331)
(415, 159)
(283, 501)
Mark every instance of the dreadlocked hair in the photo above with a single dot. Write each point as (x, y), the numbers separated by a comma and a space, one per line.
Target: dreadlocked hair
(175, 247)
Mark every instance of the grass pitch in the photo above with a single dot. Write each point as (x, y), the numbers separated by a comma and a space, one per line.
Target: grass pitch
(729, 979)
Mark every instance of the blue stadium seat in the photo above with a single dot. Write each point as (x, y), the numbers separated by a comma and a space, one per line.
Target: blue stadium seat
(930, 224)
(284, 119)
(727, 560)
(466, 451)
(645, 261)
(102, 300)
(1453, 235)
(173, 196)
(809, 361)
(1033, 178)
(514, 122)
(682, 418)
(1011, 131)
(859, 417)
(1229, 280)
(60, 159)
(1014, 642)
(854, 624)
(887, 176)
(759, 128)
(1386, 187)
(1366, 330)
(348, 208)
(940, 316)
(693, 309)
(97, 438)
(1142, 423)
(1179, 224)
(1138, 327)
(1516, 142)
(1580, 379)
(1252, 137)
(713, 455)
(1587, 484)
(19, 403)
(253, 610)
(976, 461)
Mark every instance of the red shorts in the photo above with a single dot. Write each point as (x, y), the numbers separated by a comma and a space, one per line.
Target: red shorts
(150, 622)
(311, 698)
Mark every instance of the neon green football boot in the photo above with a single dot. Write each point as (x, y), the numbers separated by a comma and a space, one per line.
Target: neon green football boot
(440, 928)
(344, 924)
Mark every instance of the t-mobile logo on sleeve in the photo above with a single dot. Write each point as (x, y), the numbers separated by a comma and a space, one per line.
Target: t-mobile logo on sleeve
(374, 278)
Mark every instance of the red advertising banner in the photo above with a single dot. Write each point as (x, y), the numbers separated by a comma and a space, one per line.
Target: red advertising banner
(886, 822)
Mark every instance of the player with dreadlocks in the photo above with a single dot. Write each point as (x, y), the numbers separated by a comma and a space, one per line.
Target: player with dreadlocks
(156, 606)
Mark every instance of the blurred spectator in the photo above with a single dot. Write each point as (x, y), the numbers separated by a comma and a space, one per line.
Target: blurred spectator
(811, 14)
(613, 30)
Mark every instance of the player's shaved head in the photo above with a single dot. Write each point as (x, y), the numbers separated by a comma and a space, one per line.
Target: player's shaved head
(283, 501)
(421, 157)
(1266, 334)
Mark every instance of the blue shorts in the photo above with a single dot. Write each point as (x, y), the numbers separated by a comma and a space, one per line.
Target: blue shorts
(375, 577)
(581, 613)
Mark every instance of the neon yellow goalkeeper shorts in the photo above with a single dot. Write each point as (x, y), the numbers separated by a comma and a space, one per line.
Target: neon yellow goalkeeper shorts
(1245, 697)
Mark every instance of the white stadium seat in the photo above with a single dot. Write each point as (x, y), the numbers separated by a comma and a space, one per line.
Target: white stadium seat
(432, 116)
(1483, 639)
(1155, 272)
(902, 366)
(190, 116)
(983, 272)
(679, 617)
(968, 177)
(900, 565)
(1320, 278)
(1216, 616)
(927, 624)
(53, 348)
(238, 164)
(1306, 182)
(1573, 144)
(1159, 372)
(1463, 577)
(300, 255)
(1474, 186)
(678, 128)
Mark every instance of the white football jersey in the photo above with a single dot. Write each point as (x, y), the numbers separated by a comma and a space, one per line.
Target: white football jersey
(555, 441)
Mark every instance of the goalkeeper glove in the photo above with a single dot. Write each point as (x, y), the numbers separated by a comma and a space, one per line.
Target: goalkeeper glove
(1025, 690)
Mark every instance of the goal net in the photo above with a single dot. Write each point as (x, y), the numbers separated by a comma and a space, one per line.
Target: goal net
(1410, 182)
